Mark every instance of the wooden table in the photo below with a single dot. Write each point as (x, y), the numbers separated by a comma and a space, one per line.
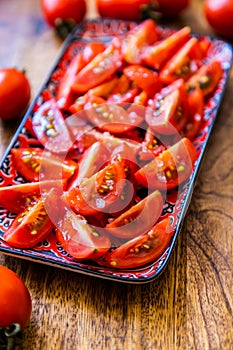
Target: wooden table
(190, 305)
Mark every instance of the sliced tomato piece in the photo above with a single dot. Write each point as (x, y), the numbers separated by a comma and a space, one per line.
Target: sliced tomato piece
(144, 249)
(35, 164)
(113, 118)
(30, 227)
(81, 240)
(143, 77)
(182, 65)
(168, 111)
(101, 68)
(50, 128)
(92, 161)
(16, 198)
(143, 34)
(206, 78)
(170, 168)
(99, 191)
(195, 120)
(157, 55)
(151, 146)
(139, 218)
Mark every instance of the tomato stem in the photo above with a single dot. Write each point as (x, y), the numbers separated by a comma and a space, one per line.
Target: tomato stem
(10, 336)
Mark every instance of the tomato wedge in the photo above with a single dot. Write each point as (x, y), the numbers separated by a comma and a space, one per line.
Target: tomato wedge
(143, 77)
(206, 78)
(99, 191)
(80, 239)
(92, 160)
(16, 198)
(99, 69)
(168, 110)
(36, 164)
(50, 128)
(64, 93)
(143, 249)
(139, 218)
(195, 120)
(170, 168)
(30, 227)
(182, 65)
(157, 55)
(143, 34)
(114, 118)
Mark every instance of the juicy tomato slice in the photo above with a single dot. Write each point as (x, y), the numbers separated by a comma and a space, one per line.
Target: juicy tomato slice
(168, 111)
(35, 164)
(151, 146)
(139, 218)
(92, 161)
(124, 91)
(195, 120)
(143, 77)
(143, 34)
(99, 69)
(65, 95)
(157, 54)
(207, 77)
(30, 227)
(182, 65)
(50, 128)
(99, 191)
(143, 249)
(170, 168)
(114, 118)
(79, 239)
(17, 198)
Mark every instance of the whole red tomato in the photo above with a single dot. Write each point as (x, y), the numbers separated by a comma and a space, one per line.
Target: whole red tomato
(15, 299)
(123, 9)
(64, 10)
(219, 14)
(169, 8)
(15, 93)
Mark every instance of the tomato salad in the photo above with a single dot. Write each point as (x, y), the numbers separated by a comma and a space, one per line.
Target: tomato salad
(112, 142)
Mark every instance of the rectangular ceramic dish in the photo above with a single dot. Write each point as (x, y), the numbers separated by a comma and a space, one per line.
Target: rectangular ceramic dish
(50, 251)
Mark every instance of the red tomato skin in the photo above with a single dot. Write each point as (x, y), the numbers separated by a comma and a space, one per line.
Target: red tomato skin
(83, 240)
(29, 227)
(142, 249)
(17, 198)
(53, 134)
(219, 14)
(64, 10)
(139, 218)
(122, 9)
(15, 299)
(64, 95)
(99, 69)
(170, 8)
(180, 157)
(15, 93)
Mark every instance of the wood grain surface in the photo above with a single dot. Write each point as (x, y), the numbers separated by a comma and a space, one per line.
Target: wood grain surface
(190, 305)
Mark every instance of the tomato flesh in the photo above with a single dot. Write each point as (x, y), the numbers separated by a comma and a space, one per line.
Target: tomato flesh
(99, 191)
(170, 168)
(30, 227)
(168, 110)
(143, 249)
(80, 239)
(100, 68)
(50, 128)
(139, 218)
(36, 164)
